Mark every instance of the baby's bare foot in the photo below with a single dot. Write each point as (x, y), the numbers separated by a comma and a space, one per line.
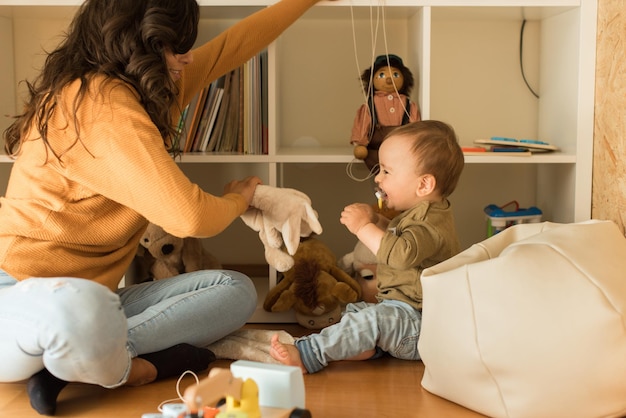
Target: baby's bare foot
(286, 354)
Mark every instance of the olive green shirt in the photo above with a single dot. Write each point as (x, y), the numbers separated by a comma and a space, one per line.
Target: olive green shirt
(415, 240)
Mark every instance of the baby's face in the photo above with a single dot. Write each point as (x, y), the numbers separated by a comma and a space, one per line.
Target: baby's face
(397, 177)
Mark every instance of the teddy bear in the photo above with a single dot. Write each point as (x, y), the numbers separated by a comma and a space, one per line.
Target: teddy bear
(315, 288)
(161, 255)
(387, 85)
(281, 216)
(359, 261)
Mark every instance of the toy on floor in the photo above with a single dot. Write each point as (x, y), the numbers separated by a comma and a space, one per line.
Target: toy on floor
(314, 287)
(163, 255)
(243, 394)
(281, 216)
(387, 85)
(251, 390)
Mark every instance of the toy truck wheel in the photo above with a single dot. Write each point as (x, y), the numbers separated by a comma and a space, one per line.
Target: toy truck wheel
(300, 413)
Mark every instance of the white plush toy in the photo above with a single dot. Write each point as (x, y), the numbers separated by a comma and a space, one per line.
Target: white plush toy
(362, 261)
(281, 216)
(359, 262)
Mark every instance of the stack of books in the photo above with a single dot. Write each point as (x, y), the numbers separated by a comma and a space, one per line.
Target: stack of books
(229, 115)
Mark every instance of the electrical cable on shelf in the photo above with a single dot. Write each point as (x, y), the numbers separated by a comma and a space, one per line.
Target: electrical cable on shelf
(521, 59)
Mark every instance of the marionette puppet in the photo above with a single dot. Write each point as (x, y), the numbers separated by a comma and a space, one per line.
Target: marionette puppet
(387, 85)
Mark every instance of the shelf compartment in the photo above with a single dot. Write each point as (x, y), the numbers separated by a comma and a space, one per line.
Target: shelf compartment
(317, 107)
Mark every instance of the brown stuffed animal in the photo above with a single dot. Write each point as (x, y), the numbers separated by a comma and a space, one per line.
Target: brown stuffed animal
(314, 287)
(165, 255)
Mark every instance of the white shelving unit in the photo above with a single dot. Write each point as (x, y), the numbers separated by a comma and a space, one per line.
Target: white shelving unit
(465, 56)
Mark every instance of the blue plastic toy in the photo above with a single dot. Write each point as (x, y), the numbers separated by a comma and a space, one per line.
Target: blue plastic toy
(498, 219)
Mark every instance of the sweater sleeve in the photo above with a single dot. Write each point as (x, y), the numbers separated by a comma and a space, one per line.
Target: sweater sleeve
(122, 140)
(118, 138)
(236, 45)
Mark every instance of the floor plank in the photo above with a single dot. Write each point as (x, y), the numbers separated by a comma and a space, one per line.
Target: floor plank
(384, 387)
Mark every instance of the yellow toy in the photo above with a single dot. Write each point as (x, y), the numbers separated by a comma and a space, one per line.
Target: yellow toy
(242, 398)
(247, 404)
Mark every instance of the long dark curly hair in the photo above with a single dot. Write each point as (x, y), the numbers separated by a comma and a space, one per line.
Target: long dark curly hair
(120, 39)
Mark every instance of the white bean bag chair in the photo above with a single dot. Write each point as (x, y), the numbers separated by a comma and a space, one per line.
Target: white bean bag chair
(530, 323)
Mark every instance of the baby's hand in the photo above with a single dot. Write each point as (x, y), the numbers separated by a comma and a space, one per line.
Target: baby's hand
(356, 216)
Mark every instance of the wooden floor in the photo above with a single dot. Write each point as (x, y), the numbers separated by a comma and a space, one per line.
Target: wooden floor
(385, 387)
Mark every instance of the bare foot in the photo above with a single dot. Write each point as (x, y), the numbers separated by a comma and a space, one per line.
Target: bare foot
(286, 354)
(141, 372)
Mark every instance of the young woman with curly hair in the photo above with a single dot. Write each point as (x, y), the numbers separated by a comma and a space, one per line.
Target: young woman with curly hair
(92, 168)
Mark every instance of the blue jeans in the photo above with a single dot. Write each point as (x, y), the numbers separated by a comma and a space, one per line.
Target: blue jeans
(389, 326)
(83, 332)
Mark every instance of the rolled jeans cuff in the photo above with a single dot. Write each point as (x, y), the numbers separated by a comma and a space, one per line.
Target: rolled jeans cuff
(310, 362)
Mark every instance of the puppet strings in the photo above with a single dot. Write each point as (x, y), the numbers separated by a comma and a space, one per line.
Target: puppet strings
(350, 173)
(374, 29)
(375, 23)
(373, 40)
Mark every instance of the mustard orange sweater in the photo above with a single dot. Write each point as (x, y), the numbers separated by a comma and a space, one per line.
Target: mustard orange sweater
(83, 217)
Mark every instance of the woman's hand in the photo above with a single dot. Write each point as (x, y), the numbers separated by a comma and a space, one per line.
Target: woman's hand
(245, 187)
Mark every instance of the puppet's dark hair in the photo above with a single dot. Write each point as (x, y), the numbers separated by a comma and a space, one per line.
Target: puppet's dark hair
(380, 62)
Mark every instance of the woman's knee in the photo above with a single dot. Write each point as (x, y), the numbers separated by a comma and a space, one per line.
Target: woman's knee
(77, 306)
(245, 283)
(227, 289)
(244, 292)
(63, 321)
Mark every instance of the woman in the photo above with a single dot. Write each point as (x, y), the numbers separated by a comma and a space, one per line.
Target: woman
(92, 169)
